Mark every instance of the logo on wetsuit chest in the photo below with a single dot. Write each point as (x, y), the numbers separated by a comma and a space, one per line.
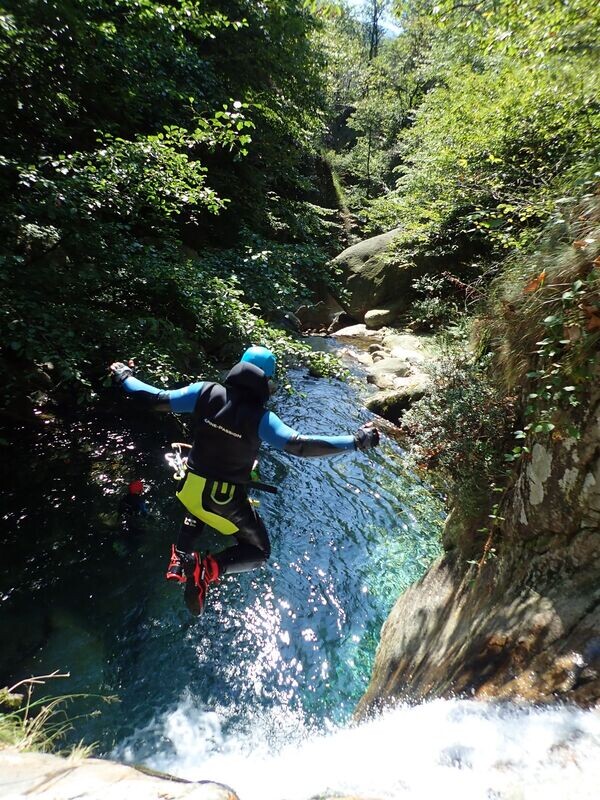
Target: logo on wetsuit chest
(221, 428)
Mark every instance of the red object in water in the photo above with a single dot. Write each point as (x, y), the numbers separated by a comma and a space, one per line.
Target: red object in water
(136, 487)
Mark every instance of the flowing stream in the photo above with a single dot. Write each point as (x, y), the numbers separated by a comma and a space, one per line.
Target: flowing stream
(259, 692)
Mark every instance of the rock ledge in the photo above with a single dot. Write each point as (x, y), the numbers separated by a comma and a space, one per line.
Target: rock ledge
(51, 777)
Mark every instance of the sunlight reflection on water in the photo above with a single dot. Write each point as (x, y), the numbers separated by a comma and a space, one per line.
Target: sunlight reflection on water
(300, 632)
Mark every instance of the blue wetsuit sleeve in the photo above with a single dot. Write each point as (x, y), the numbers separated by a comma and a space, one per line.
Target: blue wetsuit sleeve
(279, 435)
(183, 401)
(180, 401)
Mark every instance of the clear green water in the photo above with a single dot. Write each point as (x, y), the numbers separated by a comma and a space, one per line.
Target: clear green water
(298, 636)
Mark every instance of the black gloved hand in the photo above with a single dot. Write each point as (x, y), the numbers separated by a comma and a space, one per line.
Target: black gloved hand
(120, 372)
(366, 437)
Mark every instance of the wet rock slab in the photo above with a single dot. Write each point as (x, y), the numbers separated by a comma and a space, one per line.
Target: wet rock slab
(396, 362)
(359, 332)
(49, 777)
(523, 624)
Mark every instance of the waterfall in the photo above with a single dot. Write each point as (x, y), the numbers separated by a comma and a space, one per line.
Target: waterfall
(444, 748)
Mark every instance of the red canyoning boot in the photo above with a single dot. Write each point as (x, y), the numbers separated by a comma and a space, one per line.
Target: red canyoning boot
(200, 573)
(175, 570)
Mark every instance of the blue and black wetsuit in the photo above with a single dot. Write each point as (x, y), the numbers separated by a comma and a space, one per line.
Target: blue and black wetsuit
(229, 423)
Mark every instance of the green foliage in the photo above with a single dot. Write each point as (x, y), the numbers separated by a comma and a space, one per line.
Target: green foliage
(374, 90)
(476, 132)
(512, 122)
(460, 430)
(564, 364)
(537, 337)
(436, 304)
(273, 276)
(174, 315)
(341, 38)
(543, 322)
(128, 127)
(489, 152)
(38, 724)
(69, 69)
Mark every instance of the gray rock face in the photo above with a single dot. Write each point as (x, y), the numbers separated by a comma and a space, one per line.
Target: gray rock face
(524, 624)
(317, 316)
(290, 321)
(55, 778)
(370, 278)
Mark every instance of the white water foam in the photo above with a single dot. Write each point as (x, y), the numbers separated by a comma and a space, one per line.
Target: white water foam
(443, 749)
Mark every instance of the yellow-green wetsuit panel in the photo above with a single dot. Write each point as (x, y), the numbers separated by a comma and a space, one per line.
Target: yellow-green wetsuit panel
(196, 488)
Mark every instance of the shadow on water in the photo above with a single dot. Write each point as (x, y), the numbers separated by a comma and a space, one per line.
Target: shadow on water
(348, 534)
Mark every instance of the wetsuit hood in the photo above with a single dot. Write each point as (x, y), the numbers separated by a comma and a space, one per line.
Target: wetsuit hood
(250, 379)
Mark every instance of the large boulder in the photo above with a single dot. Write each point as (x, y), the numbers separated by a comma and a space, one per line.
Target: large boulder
(371, 277)
(315, 316)
(378, 317)
(341, 320)
(289, 321)
(391, 404)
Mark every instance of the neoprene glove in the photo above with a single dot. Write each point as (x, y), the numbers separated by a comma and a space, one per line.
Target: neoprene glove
(366, 437)
(120, 372)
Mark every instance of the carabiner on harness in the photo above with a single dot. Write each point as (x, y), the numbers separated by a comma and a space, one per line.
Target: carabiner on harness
(177, 461)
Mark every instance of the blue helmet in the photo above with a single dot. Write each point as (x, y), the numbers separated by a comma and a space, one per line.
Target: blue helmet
(262, 358)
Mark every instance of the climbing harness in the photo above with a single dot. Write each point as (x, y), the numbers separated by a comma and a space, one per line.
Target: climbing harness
(178, 463)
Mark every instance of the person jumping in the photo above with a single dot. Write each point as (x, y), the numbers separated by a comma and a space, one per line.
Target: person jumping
(229, 422)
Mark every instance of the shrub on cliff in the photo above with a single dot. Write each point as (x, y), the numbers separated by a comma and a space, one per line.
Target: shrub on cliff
(460, 431)
(542, 322)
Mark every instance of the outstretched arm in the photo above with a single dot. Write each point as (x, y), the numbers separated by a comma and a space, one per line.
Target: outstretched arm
(180, 401)
(279, 435)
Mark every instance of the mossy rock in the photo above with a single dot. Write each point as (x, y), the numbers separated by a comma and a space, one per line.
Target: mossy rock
(371, 277)
(393, 403)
